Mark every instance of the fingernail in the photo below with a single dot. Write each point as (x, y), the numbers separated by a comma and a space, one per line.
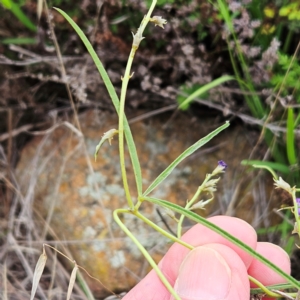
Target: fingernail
(203, 275)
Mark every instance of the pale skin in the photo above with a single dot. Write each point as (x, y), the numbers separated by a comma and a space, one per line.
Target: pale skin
(216, 269)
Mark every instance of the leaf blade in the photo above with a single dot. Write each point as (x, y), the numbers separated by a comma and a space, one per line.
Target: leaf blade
(204, 89)
(273, 165)
(290, 137)
(182, 156)
(115, 99)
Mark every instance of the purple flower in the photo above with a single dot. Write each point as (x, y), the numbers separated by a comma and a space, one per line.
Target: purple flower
(222, 164)
(220, 168)
(298, 203)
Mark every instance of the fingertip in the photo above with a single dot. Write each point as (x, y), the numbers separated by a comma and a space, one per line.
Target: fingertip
(276, 255)
(201, 270)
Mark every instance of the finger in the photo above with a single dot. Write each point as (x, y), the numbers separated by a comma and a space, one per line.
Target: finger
(263, 273)
(197, 235)
(212, 271)
(200, 235)
(150, 288)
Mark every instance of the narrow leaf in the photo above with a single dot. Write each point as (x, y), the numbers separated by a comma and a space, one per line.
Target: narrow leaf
(115, 100)
(191, 215)
(38, 271)
(182, 156)
(19, 41)
(72, 281)
(6, 3)
(273, 165)
(290, 137)
(16, 10)
(204, 89)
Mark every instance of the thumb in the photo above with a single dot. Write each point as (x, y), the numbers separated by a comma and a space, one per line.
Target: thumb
(203, 275)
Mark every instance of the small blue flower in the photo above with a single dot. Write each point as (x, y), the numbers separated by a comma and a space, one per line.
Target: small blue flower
(298, 203)
(220, 168)
(222, 164)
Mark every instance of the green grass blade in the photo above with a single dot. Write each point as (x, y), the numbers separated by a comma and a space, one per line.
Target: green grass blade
(16, 10)
(19, 41)
(191, 215)
(290, 138)
(283, 286)
(98, 63)
(115, 100)
(6, 3)
(254, 102)
(134, 157)
(273, 165)
(226, 15)
(204, 89)
(182, 156)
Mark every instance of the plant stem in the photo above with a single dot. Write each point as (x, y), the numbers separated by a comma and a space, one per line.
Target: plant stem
(163, 232)
(144, 251)
(263, 288)
(121, 127)
(190, 203)
(125, 81)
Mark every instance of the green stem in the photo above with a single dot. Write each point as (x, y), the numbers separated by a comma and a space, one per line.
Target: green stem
(163, 232)
(121, 127)
(283, 286)
(263, 288)
(125, 81)
(144, 251)
(190, 203)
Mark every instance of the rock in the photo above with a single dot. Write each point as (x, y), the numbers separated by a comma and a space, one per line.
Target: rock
(77, 195)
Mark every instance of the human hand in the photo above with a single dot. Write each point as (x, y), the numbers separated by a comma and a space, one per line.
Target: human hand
(215, 269)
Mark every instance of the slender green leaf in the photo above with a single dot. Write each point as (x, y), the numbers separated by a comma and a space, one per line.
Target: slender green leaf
(6, 3)
(193, 216)
(115, 100)
(19, 41)
(204, 89)
(273, 165)
(282, 286)
(182, 156)
(16, 10)
(254, 102)
(226, 15)
(290, 138)
(98, 63)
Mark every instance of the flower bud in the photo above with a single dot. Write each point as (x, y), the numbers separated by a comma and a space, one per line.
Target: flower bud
(280, 183)
(158, 21)
(222, 166)
(137, 38)
(201, 204)
(298, 203)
